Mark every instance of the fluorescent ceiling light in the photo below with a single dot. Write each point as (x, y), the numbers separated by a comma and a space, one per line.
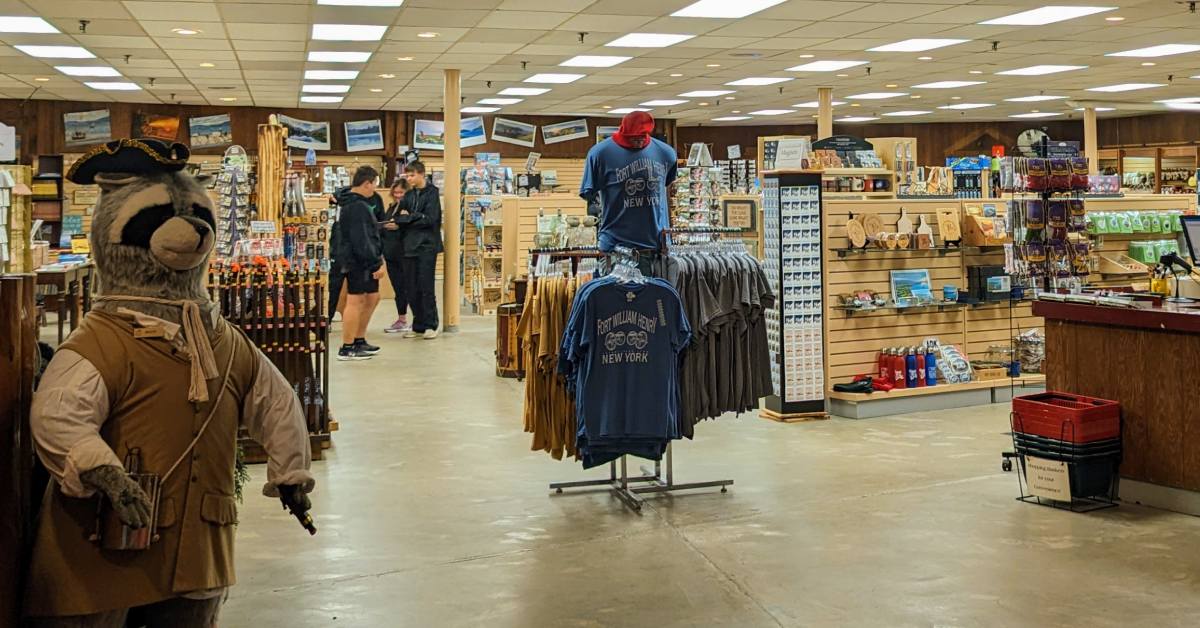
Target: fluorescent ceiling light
(87, 70)
(1124, 87)
(1178, 100)
(1156, 51)
(917, 45)
(1034, 98)
(361, 3)
(479, 109)
(856, 119)
(968, 105)
(116, 85)
(321, 99)
(947, 84)
(330, 56)
(500, 101)
(554, 78)
(826, 66)
(724, 8)
(1036, 114)
(758, 80)
(594, 61)
(326, 89)
(876, 95)
(1039, 70)
(731, 118)
(1098, 108)
(348, 32)
(647, 40)
(625, 110)
(771, 112)
(905, 114)
(1047, 15)
(22, 24)
(330, 75)
(707, 93)
(524, 91)
(812, 104)
(662, 103)
(1182, 106)
(56, 52)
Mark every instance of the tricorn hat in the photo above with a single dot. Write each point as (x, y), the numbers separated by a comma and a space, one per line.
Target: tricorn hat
(130, 156)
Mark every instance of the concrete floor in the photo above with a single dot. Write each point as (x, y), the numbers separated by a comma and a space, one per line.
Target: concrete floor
(433, 513)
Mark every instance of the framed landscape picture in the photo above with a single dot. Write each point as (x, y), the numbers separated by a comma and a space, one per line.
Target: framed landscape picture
(87, 127)
(911, 287)
(364, 135)
(564, 131)
(306, 134)
(605, 132)
(513, 132)
(209, 131)
(429, 134)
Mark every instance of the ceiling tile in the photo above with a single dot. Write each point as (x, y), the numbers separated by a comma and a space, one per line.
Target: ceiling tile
(165, 10)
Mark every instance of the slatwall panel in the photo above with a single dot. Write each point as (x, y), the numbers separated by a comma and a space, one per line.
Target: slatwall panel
(527, 214)
(1113, 244)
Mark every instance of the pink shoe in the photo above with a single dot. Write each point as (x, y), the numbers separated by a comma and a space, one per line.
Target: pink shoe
(398, 327)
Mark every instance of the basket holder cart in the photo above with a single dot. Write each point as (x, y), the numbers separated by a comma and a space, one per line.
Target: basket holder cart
(1082, 432)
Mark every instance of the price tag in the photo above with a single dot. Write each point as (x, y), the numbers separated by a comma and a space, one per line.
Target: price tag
(1048, 478)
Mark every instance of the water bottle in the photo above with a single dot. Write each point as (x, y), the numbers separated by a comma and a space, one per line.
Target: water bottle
(897, 368)
(910, 369)
(885, 366)
(930, 368)
(920, 366)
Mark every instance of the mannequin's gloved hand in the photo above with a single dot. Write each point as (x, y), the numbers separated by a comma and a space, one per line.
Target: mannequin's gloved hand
(296, 501)
(128, 500)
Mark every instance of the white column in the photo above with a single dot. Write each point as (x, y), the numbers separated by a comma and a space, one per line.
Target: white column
(451, 218)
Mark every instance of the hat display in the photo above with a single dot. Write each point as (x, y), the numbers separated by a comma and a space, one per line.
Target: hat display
(129, 156)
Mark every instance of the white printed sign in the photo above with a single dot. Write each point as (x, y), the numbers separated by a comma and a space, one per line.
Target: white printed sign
(262, 226)
(1048, 478)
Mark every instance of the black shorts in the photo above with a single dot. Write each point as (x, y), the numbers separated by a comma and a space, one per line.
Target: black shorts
(361, 282)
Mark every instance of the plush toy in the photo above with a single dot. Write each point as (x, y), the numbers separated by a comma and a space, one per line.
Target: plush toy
(137, 415)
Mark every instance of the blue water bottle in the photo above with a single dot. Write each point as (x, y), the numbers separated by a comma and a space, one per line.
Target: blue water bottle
(930, 368)
(910, 368)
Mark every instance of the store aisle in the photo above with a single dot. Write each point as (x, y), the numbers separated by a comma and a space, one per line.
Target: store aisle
(433, 513)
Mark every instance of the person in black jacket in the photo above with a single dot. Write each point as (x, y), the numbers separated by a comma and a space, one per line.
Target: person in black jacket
(393, 254)
(420, 219)
(359, 255)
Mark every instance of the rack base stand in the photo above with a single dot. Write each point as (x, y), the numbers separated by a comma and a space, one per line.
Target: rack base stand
(792, 417)
(628, 489)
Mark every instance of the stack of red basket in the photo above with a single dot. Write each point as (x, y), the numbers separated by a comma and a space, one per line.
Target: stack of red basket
(1084, 432)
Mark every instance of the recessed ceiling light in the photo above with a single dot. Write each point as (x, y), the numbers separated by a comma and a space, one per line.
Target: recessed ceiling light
(707, 93)
(854, 104)
(321, 99)
(524, 91)
(1156, 51)
(826, 66)
(843, 76)
(807, 56)
(334, 75)
(730, 118)
(375, 90)
(724, 8)
(647, 40)
(1036, 114)
(23, 24)
(362, 3)
(956, 98)
(919, 44)
(387, 76)
(915, 96)
(676, 75)
(1115, 18)
(968, 105)
(325, 89)
(404, 58)
(42, 79)
(348, 32)
(891, 85)
(331, 56)
(758, 80)
(479, 109)
(713, 65)
(606, 107)
(904, 114)
(87, 70)
(228, 98)
(730, 98)
(650, 82)
(947, 84)
(771, 112)
(975, 72)
(56, 52)
(924, 58)
(703, 104)
(553, 78)
(876, 95)
(1039, 70)
(736, 111)
(500, 101)
(1125, 87)
(1046, 15)
(428, 35)
(812, 104)
(1038, 98)
(856, 119)
(594, 61)
(662, 103)
(120, 86)
(1148, 63)
(185, 31)
(625, 110)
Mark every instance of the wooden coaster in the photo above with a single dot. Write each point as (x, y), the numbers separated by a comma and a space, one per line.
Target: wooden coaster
(856, 233)
(872, 223)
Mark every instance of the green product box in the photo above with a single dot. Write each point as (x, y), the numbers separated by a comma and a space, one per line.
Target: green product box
(1142, 252)
(1097, 222)
(1155, 225)
(1176, 223)
(1126, 223)
(1140, 222)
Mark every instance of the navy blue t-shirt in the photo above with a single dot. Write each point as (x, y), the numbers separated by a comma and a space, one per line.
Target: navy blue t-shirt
(632, 185)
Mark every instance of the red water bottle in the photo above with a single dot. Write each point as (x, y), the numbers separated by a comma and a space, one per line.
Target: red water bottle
(885, 365)
(920, 367)
(898, 368)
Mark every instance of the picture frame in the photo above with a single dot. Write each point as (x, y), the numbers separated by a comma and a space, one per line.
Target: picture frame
(210, 131)
(514, 132)
(429, 135)
(605, 132)
(471, 132)
(564, 131)
(305, 134)
(363, 135)
(87, 127)
(156, 126)
(740, 213)
(911, 288)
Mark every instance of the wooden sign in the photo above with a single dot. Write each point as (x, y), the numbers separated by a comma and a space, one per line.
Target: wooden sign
(86, 195)
(740, 214)
(948, 225)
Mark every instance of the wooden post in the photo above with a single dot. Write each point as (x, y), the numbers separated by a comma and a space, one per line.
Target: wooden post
(451, 219)
(1091, 149)
(824, 112)
(18, 363)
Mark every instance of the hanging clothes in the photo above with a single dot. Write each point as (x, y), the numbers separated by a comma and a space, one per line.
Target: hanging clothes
(549, 409)
(620, 357)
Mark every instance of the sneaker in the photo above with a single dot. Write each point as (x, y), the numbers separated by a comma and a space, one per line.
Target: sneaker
(366, 348)
(411, 334)
(352, 353)
(430, 334)
(400, 326)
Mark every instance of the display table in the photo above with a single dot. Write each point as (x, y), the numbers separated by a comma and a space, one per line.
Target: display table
(1146, 360)
(72, 297)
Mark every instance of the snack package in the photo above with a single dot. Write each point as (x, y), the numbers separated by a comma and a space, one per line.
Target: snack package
(1056, 214)
(1037, 175)
(1140, 224)
(1098, 222)
(1060, 175)
(1035, 214)
(1079, 173)
(1125, 223)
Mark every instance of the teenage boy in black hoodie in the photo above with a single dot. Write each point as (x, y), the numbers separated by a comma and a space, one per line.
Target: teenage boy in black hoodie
(421, 220)
(360, 258)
